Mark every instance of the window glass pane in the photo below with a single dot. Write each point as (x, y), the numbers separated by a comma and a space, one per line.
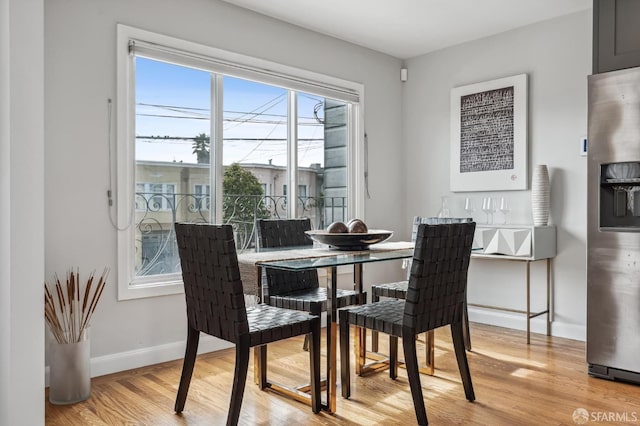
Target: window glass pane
(254, 154)
(172, 157)
(323, 139)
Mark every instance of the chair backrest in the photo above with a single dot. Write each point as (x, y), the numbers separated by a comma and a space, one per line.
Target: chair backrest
(273, 233)
(438, 281)
(276, 233)
(418, 220)
(212, 285)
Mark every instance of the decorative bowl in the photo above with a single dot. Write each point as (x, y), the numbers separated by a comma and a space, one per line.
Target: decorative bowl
(623, 170)
(350, 241)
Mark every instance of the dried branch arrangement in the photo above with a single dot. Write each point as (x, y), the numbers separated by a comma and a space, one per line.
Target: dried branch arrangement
(68, 307)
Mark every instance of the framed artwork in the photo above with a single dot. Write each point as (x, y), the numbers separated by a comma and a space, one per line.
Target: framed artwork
(489, 135)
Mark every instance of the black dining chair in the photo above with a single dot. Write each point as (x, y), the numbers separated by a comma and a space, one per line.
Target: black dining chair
(216, 306)
(435, 297)
(398, 290)
(299, 290)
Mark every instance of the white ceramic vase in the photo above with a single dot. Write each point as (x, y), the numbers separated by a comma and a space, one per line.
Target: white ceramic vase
(540, 197)
(70, 371)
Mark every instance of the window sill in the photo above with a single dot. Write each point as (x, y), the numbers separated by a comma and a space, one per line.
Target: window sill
(148, 288)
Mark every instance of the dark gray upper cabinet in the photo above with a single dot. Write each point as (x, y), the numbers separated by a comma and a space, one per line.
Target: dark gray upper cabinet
(616, 35)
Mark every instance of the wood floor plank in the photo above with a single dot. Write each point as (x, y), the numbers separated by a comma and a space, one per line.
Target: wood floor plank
(515, 384)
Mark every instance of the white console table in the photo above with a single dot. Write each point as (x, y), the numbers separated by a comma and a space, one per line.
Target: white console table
(522, 243)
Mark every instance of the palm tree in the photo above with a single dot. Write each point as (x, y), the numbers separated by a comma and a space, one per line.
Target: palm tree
(201, 144)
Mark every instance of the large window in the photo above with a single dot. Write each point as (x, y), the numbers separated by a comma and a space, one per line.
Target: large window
(203, 138)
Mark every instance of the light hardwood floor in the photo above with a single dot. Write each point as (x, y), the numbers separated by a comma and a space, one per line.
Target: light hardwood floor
(515, 384)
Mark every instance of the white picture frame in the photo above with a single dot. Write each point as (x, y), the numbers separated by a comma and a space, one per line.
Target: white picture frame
(489, 135)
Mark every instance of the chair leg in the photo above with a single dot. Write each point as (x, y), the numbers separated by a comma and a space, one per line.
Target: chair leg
(239, 380)
(465, 330)
(344, 354)
(393, 357)
(262, 366)
(359, 348)
(314, 360)
(193, 337)
(430, 357)
(461, 356)
(413, 373)
(305, 345)
(374, 334)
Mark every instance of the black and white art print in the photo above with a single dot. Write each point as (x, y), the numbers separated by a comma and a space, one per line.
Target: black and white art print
(489, 135)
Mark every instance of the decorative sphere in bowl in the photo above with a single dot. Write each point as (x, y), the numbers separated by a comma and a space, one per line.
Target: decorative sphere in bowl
(350, 240)
(337, 228)
(357, 226)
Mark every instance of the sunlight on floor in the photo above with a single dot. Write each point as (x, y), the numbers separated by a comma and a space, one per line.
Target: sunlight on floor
(522, 372)
(513, 359)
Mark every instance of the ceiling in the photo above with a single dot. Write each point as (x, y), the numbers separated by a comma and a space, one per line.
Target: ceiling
(408, 28)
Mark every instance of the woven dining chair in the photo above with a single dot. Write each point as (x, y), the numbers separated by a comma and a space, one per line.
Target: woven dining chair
(435, 298)
(398, 290)
(299, 290)
(216, 306)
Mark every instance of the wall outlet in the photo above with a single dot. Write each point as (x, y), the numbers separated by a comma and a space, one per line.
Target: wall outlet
(583, 145)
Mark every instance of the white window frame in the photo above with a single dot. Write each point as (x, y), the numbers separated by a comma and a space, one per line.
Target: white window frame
(227, 63)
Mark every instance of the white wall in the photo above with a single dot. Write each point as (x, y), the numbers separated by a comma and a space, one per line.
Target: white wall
(21, 212)
(407, 125)
(80, 71)
(5, 217)
(556, 56)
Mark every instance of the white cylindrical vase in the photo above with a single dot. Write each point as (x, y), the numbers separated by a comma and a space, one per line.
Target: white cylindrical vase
(70, 371)
(540, 195)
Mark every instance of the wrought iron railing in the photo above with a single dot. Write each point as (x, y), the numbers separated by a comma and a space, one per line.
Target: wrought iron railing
(156, 250)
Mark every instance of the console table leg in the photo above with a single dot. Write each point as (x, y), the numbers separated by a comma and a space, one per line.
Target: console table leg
(528, 302)
(548, 297)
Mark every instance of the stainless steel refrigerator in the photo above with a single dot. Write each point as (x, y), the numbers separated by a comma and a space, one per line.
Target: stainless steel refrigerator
(613, 226)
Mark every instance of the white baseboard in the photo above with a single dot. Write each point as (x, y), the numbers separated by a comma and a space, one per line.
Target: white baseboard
(569, 331)
(519, 322)
(122, 361)
(128, 360)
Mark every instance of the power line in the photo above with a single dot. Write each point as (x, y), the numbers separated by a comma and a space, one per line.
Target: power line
(179, 108)
(232, 120)
(264, 107)
(172, 106)
(171, 116)
(191, 138)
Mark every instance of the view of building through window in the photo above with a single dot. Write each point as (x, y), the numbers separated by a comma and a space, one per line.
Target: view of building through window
(176, 164)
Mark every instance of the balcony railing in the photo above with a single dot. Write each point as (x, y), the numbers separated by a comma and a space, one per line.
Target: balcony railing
(156, 250)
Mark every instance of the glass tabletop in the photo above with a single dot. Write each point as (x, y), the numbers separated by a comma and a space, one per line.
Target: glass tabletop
(339, 259)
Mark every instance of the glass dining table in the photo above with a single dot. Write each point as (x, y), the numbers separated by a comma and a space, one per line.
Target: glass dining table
(314, 258)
